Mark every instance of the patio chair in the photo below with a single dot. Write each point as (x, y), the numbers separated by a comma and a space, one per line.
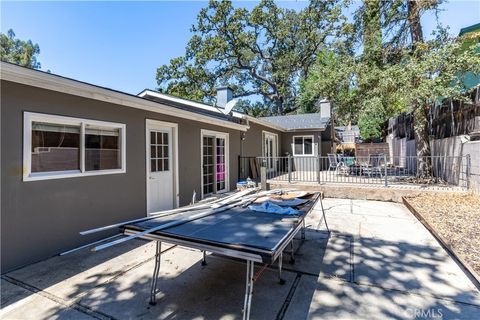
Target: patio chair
(338, 166)
(373, 167)
(332, 161)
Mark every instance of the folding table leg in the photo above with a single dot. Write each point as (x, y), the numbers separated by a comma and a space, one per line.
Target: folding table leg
(280, 263)
(303, 230)
(204, 260)
(248, 290)
(323, 216)
(156, 270)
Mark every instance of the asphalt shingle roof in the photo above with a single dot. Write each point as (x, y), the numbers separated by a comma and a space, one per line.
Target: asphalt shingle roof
(299, 121)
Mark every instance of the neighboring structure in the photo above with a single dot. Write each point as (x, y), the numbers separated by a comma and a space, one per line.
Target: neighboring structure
(76, 156)
(472, 37)
(348, 135)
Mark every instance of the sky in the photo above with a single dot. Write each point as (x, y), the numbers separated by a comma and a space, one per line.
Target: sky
(120, 45)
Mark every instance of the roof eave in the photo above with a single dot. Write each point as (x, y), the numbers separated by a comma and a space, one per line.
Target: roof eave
(306, 129)
(264, 123)
(41, 79)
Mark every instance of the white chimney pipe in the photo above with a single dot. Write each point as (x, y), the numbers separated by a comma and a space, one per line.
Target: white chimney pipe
(325, 109)
(224, 95)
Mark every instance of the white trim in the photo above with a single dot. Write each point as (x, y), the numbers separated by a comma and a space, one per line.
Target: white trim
(29, 117)
(156, 94)
(303, 145)
(204, 106)
(176, 184)
(216, 134)
(39, 79)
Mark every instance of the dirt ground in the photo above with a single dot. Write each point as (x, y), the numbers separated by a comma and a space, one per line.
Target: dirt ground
(456, 218)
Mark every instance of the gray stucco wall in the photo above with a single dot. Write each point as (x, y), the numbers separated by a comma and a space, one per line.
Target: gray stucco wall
(42, 218)
(252, 144)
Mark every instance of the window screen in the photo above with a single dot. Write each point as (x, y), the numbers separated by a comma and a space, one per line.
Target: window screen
(102, 148)
(55, 147)
(307, 145)
(298, 145)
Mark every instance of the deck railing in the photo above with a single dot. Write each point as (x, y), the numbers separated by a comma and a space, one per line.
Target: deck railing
(374, 169)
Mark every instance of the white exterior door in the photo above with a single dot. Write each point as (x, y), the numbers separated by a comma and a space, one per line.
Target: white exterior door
(215, 164)
(160, 168)
(270, 150)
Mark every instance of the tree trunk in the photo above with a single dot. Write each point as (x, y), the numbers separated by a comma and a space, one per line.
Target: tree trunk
(422, 139)
(279, 106)
(420, 112)
(414, 21)
(372, 33)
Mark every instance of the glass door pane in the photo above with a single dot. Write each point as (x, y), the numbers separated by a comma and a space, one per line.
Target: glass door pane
(270, 153)
(159, 154)
(220, 164)
(208, 165)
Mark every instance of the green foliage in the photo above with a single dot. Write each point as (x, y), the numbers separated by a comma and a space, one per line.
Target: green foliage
(332, 77)
(259, 52)
(256, 109)
(17, 51)
(382, 71)
(434, 70)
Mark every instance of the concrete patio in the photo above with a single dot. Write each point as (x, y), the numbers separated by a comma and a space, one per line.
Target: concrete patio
(379, 262)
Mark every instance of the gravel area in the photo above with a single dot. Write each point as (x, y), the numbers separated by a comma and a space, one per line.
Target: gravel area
(456, 218)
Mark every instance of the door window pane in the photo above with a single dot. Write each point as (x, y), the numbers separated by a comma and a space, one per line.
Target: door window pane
(102, 148)
(153, 165)
(208, 145)
(153, 137)
(55, 147)
(159, 154)
(220, 163)
(153, 152)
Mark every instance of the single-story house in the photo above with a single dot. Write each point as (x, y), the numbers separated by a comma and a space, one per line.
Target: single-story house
(76, 156)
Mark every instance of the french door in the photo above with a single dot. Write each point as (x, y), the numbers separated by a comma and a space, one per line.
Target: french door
(270, 150)
(214, 162)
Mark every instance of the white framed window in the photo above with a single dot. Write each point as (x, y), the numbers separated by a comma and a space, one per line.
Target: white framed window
(302, 145)
(214, 162)
(64, 147)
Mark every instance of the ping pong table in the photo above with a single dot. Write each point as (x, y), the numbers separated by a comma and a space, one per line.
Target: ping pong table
(257, 237)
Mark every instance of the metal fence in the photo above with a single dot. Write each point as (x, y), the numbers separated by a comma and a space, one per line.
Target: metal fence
(374, 169)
